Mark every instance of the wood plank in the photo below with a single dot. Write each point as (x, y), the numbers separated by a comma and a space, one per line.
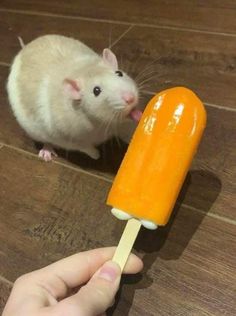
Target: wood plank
(203, 62)
(210, 15)
(210, 186)
(213, 186)
(177, 275)
(189, 264)
(46, 197)
(96, 35)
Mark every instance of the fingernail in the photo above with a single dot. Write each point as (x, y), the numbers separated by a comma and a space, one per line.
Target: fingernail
(110, 271)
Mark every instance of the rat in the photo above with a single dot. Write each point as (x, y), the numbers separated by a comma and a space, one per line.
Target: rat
(65, 95)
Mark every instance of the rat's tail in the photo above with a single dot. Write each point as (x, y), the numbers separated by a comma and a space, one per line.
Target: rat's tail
(22, 44)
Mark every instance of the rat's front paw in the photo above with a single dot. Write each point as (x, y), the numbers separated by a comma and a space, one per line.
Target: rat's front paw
(46, 153)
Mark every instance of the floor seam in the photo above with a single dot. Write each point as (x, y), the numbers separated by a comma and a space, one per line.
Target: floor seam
(62, 16)
(183, 29)
(72, 17)
(212, 105)
(213, 215)
(106, 179)
(220, 107)
(77, 169)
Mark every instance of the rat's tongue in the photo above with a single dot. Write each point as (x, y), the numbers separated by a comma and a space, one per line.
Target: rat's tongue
(135, 114)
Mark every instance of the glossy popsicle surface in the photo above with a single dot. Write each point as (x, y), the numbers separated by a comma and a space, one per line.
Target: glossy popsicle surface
(159, 156)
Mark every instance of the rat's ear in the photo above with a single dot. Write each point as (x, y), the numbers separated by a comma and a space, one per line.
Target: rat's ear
(72, 88)
(110, 58)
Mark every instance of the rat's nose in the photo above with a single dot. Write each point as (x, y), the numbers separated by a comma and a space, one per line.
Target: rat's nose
(128, 97)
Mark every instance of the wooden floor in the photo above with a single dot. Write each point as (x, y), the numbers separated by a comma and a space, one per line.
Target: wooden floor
(50, 210)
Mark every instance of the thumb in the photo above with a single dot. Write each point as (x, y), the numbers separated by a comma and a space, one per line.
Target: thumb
(98, 294)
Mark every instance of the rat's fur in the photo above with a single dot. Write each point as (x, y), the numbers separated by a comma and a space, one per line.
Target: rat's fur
(50, 89)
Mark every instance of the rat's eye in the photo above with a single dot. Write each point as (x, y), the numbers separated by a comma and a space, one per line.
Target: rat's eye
(97, 91)
(119, 73)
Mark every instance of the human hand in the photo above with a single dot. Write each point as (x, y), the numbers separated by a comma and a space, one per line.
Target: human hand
(46, 292)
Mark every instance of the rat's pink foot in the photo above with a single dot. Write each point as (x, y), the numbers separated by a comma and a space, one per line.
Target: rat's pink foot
(46, 153)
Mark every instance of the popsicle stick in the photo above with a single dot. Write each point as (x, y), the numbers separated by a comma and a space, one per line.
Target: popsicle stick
(126, 242)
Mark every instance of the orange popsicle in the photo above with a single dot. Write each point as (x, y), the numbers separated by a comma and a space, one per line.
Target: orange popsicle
(158, 158)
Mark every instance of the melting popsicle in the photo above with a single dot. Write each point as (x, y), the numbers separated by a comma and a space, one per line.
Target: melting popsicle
(153, 170)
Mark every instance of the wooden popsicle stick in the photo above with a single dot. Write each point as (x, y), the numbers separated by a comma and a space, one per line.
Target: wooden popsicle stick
(126, 242)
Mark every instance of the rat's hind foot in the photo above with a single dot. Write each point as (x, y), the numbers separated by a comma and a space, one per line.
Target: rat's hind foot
(47, 152)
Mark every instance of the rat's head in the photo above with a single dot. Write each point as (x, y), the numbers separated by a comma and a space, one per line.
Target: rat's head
(103, 91)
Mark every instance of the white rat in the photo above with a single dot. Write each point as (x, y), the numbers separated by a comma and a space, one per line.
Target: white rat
(65, 95)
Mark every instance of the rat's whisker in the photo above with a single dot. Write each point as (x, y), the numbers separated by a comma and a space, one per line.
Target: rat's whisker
(141, 97)
(119, 107)
(143, 73)
(122, 61)
(147, 74)
(116, 130)
(153, 79)
(121, 36)
(110, 33)
(135, 63)
(127, 66)
(148, 79)
(116, 133)
(147, 68)
(109, 124)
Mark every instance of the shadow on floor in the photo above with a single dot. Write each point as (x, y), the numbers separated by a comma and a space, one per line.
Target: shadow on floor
(201, 188)
(112, 153)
